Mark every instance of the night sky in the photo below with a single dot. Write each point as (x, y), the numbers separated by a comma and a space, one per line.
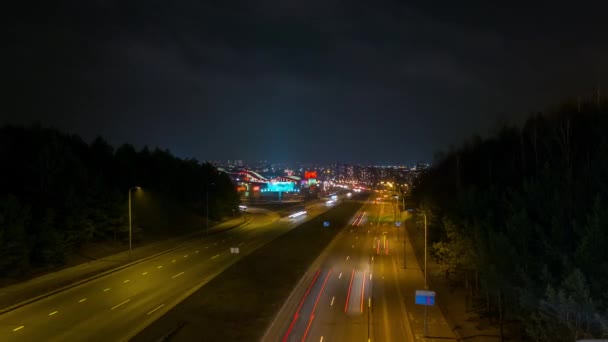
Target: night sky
(285, 80)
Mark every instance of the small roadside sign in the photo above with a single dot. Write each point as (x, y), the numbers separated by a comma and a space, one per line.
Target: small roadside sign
(234, 250)
(425, 297)
(397, 223)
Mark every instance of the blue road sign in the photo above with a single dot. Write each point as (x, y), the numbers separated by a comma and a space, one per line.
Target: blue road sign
(397, 223)
(425, 297)
(325, 223)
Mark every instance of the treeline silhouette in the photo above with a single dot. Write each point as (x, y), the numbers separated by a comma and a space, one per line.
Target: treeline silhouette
(58, 192)
(526, 211)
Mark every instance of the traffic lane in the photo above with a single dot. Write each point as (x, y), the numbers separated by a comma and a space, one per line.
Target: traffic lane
(33, 316)
(79, 307)
(388, 312)
(346, 296)
(388, 315)
(346, 316)
(211, 244)
(335, 288)
(134, 308)
(303, 315)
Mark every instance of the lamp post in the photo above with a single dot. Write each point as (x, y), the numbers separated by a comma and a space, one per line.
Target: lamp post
(130, 229)
(426, 287)
(207, 208)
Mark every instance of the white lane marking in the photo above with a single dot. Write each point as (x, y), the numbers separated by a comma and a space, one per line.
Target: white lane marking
(144, 273)
(126, 281)
(115, 306)
(353, 246)
(82, 300)
(347, 257)
(196, 252)
(340, 276)
(242, 243)
(173, 260)
(332, 300)
(54, 312)
(177, 275)
(215, 256)
(206, 246)
(158, 307)
(370, 275)
(185, 256)
(161, 266)
(106, 289)
(372, 258)
(19, 328)
(321, 339)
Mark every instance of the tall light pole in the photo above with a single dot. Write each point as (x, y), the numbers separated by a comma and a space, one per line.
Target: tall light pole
(426, 287)
(207, 208)
(130, 229)
(425, 248)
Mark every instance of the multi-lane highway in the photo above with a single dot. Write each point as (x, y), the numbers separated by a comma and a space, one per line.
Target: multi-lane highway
(351, 293)
(115, 307)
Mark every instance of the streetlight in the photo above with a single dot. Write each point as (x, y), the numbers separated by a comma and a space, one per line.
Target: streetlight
(426, 287)
(130, 229)
(207, 207)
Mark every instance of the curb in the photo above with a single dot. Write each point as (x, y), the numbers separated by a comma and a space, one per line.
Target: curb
(103, 274)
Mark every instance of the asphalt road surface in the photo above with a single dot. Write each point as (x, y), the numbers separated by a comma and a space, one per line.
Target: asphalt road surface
(353, 293)
(117, 306)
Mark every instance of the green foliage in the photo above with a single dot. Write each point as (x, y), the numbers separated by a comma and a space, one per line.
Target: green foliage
(454, 252)
(58, 192)
(14, 218)
(528, 209)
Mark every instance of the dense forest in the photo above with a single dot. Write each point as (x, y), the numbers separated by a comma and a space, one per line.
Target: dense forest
(526, 209)
(58, 192)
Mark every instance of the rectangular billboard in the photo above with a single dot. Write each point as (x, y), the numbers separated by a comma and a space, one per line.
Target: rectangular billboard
(280, 187)
(310, 174)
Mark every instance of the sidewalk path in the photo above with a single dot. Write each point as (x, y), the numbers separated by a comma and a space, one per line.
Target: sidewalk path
(412, 279)
(465, 324)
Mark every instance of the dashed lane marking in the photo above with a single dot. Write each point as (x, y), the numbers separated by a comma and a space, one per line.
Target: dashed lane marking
(125, 302)
(158, 307)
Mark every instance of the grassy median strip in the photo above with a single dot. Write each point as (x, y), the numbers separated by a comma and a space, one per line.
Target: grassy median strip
(240, 303)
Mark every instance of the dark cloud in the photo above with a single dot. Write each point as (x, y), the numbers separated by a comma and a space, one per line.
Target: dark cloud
(294, 80)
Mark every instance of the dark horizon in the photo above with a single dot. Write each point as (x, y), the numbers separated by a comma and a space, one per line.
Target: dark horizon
(287, 81)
